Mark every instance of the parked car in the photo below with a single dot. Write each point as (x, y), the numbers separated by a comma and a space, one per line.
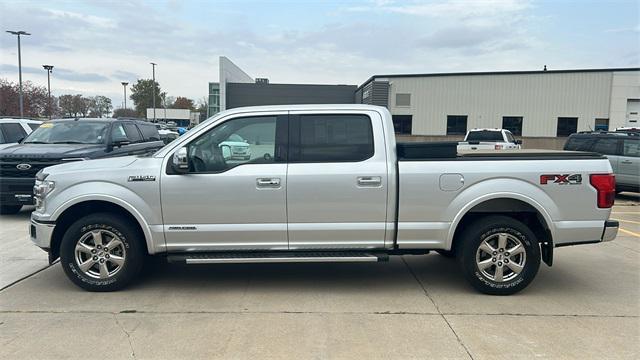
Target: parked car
(622, 148)
(489, 139)
(168, 136)
(235, 148)
(15, 130)
(69, 140)
(326, 183)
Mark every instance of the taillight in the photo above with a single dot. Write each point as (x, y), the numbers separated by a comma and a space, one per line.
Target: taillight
(605, 184)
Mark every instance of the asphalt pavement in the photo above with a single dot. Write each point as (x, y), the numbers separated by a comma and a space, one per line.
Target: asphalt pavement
(587, 306)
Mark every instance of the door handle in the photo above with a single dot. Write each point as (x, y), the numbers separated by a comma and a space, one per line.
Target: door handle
(369, 180)
(268, 182)
(626, 161)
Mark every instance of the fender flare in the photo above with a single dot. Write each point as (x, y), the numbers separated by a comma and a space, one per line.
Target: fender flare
(146, 230)
(499, 195)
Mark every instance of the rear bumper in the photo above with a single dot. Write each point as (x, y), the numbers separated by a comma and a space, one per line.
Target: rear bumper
(610, 230)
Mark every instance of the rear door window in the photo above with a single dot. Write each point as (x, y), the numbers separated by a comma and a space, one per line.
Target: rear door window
(331, 138)
(606, 146)
(631, 148)
(132, 132)
(13, 132)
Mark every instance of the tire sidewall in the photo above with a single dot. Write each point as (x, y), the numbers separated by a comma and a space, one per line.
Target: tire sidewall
(120, 228)
(486, 228)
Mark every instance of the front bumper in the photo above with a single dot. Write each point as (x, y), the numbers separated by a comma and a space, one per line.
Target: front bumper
(16, 191)
(41, 233)
(610, 230)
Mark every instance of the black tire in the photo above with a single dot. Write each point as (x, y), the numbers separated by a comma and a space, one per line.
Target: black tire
(447, 253)
(105, 223)
(489, 229)
(10, 209)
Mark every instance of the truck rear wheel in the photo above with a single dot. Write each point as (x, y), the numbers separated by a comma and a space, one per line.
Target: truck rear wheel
(499, 255)
(101, 252)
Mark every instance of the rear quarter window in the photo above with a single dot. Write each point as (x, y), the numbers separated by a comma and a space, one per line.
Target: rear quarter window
(149, 132)
(575, 143)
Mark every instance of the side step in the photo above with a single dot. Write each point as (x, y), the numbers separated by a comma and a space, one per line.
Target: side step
(275, 257)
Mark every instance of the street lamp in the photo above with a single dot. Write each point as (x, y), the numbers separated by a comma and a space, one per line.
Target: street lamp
(18, 33)
(49, 68)
(124, 85)
(153, 67)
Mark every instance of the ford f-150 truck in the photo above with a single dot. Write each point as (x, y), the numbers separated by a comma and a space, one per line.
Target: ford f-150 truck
(325, 183)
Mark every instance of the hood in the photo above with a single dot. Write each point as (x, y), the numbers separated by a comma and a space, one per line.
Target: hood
(105, 164)
(50, 151)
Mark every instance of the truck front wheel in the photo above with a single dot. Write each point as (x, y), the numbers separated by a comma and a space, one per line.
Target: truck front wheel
(101, 252)
(500, 255)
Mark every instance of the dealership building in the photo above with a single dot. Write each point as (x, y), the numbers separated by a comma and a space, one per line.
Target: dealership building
(542, 107)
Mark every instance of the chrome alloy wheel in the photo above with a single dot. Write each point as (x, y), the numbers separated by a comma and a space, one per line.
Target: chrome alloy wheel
(501, 257)
(100, 254)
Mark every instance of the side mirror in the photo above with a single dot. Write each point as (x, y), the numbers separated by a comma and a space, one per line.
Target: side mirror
(518, 142)
(226, 151)
(120, 142)
(180, 161)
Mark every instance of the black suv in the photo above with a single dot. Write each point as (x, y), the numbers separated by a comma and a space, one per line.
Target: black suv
(59, 141)
(621, 147)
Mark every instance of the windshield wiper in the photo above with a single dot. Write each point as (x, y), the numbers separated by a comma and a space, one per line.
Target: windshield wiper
(35, 142)
(67, 142)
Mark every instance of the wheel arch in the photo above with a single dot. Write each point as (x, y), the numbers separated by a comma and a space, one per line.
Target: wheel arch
(74, 209)
(517, 206)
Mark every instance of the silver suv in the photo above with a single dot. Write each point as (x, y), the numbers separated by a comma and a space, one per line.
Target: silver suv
(622, 148)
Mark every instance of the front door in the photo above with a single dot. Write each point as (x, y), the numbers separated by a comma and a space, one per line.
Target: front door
(337, 181)
(234, 195)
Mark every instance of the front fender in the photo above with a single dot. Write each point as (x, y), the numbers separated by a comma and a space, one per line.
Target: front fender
(510, 188)
(138, 207)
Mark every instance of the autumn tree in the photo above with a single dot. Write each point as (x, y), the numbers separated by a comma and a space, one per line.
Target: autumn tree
(35, 99)
(142, 95)
(183, 103)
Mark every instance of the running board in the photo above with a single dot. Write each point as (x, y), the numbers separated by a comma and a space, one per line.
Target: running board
(275, 257)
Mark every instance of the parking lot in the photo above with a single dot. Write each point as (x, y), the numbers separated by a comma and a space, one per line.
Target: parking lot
(586, 306)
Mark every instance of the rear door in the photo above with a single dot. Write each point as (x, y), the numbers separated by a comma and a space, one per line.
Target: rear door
(629, 163)
(336, 180)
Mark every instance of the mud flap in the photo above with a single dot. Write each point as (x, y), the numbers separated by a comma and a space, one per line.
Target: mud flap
(546, 250)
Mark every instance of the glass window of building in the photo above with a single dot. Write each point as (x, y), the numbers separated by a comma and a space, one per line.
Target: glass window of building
(513, 124)
(456, 124)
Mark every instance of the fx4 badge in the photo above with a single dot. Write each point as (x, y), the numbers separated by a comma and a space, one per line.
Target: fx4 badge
(568, 179)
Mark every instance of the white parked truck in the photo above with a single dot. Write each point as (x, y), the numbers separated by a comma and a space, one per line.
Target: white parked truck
(325, 183)
(489, 139)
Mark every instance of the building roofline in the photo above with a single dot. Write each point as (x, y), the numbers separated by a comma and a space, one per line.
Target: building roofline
(522, 72)
(291, 84)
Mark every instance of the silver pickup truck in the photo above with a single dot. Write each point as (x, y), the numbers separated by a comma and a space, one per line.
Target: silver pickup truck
(323, 183)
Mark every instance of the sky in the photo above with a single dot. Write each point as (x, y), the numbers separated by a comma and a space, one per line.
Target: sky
(95, 45)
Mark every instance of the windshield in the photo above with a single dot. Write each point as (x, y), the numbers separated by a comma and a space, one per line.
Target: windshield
(69, 132)
(485, 135)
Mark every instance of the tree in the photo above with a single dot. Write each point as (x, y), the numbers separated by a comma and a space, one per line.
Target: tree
(65, 102)
(124, 113)
(142, 95)
(35, 99)
(202, 108)
(182, 103)
(100, 106)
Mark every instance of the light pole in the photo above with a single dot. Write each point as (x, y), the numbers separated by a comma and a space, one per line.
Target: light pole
(49, 68)
(153, 67)
(124, 85)
(18, 33)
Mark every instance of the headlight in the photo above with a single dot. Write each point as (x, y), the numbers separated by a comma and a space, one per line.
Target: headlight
(41, 189)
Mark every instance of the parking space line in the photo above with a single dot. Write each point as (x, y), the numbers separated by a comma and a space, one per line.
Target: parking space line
(629, 232)
(629, 221)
